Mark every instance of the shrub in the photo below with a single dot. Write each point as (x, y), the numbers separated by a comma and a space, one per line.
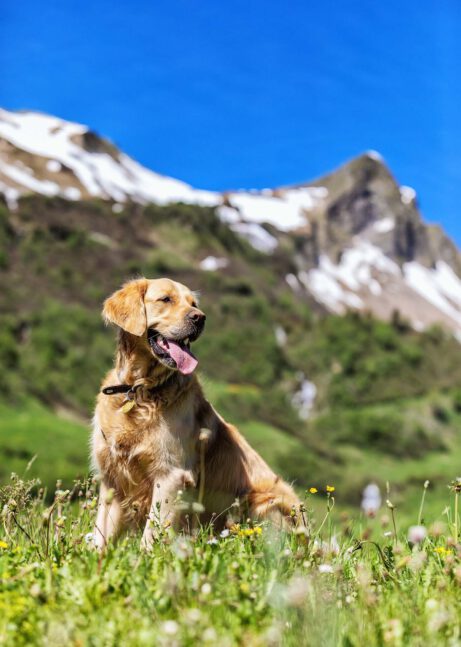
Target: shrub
(457, 401)
(383, 430)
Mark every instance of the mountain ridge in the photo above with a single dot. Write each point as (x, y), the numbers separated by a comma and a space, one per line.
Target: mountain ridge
(356, 238)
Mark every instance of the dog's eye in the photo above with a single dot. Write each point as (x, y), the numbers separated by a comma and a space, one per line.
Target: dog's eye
(194, 304)
(165, 299)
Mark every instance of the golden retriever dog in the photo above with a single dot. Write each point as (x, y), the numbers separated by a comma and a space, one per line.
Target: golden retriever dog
(156, 437)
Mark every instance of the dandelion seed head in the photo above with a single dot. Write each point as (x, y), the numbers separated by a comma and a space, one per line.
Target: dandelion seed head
(417, 534)
(326, 568)
(297, 590)
(209, 635)
(371, 499)
(170, 627)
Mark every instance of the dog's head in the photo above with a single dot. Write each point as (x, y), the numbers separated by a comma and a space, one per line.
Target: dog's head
(164, 314)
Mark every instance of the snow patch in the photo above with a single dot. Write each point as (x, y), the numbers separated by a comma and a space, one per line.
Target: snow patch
(325, 289)
(22, 177)
(407, 194)
(303, 400)
(384, 226)
(53, 166)
(357, 263)
(256, 235)
(280, 336)
(11, 195)
(212, 263)
(72, 193)
(336, 285)
(102, 239)
(293, 282)
(440, 286)
(286, 209)
(374, 155)
(228, 214)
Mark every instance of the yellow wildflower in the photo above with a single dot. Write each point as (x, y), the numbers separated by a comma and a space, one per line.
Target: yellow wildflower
(330, 488)
(248, 532)
(441, 550)
(3, 544)
(313, 490)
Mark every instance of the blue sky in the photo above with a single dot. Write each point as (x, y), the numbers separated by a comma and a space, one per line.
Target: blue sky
(249, 94)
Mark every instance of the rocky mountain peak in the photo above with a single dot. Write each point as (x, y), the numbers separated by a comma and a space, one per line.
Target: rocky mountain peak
(355, 237)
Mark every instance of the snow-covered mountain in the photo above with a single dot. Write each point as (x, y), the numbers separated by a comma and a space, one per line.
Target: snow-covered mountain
(356, 238)
(47, 155)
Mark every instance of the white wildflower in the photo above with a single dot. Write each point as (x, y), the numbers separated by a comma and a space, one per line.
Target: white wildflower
(170, 627)
(330, 547)
(182, 548)
(209, 635)
(326, 568)
(193, 615)
(296, 591)
(371, 499)
(417, 534)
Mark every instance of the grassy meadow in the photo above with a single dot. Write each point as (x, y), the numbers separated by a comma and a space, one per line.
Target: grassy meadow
(343, 578)
(387, 411)
(351, 582)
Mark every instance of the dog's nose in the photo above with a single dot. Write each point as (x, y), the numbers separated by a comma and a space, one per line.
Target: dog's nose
(197, 316)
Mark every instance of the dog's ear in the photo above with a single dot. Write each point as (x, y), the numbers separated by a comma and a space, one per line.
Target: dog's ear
(126, 308)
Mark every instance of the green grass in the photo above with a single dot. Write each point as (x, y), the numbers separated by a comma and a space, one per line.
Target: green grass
(256, 586)
(58, 447)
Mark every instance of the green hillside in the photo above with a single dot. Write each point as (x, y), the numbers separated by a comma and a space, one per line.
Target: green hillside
(387, 395)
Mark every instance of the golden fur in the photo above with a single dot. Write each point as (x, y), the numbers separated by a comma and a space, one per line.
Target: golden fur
(146, 455)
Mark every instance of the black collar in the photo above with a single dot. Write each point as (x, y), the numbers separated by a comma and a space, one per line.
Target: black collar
(130, 389)
(117, 388)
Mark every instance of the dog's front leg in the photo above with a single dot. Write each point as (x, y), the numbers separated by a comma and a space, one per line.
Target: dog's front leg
(163, 511)
(108, 518)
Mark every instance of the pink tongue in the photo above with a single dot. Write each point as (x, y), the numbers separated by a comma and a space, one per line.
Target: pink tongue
(185, 361)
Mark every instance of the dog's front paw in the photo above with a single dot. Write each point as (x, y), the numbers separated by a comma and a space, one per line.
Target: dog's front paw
(147, 541)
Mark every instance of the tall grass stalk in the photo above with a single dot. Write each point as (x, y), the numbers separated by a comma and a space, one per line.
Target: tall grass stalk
(456, 515)
(391, 507)
(330, 506)
(455, 486)
(421, 507)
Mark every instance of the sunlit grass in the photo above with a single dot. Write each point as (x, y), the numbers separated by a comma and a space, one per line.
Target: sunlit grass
(351, 582)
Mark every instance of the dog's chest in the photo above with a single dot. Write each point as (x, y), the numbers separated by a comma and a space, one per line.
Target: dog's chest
(151, 442)
(169, 440)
